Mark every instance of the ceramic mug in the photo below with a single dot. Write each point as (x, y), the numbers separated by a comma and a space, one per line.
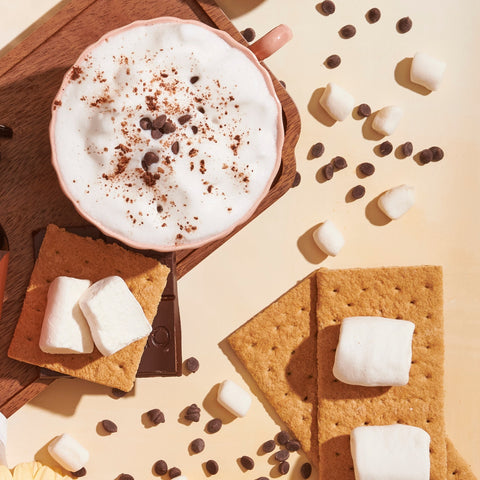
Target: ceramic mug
(258, 51)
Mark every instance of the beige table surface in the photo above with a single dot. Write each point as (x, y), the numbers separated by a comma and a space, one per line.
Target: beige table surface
(275, 250)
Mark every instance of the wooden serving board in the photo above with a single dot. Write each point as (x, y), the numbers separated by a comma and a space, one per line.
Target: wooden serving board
(30, 197)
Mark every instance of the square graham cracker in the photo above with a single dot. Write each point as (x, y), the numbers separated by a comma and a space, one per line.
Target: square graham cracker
(457, 467)
(64, 253)
(410, 293)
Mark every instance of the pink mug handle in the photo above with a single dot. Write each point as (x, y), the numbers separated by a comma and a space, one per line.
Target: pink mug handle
(271, 42)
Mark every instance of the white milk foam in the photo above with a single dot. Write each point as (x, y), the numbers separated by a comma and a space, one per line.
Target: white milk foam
(218, 173)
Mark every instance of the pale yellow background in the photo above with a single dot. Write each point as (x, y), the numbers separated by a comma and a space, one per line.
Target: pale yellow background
(267, 257)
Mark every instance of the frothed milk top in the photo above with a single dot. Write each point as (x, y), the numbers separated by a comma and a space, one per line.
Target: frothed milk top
(166, 134)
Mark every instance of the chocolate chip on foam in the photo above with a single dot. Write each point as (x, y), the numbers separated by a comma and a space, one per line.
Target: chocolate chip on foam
(145, 123)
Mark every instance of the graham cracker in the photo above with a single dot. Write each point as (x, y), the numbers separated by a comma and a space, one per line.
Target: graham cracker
(64, 253)
(457, 467)
(411, 293)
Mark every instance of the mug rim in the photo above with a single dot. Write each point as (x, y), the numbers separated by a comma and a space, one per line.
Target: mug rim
(183, 246)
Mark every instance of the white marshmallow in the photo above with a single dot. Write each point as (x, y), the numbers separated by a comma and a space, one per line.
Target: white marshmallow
(427, 71)
(390, 452)
(115, 317)
(234, 398)
(64, 328)
(328, 238)
(3, 440)
(337, 102)
(70, 454)
(374, 351)
(397, 201)
(386, 120)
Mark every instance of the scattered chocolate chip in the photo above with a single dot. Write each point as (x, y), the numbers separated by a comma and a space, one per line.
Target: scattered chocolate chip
(426, 156)
(148, 159)
(282, 83)
(194, 79)
(192, 364)
(117, 393)
(367, 169)
(328, 7)
(194, 129)
(328, 171)
(296, 180)
(373, 15)
(268, 446)
(248, 34)
(293, 445)
(193, 413)
(283, 437)
(212, 467)
(160, 467)
(168, 127)
(358, 192)
(339, 163)
(201, 109)
(145, 123)
(109, 426)
(407, 149)
(283, 468)
(306, 470)
(404, 25)
(364, 110)
(80, 473)
(214, 425)
(156, 133)
(437, 153)
(159, 122)
(174, 472)
(159, 209)
(197, 445)
(348, 31)
(184, 119)
(333, 61)
(385, 148)
(156, 416)
(175, 147)
(262, 478)
(247, 462)
(317, 150)
(282, 455)
(125, 476)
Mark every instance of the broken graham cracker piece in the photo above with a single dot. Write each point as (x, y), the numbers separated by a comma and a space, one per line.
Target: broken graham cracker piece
(278, 347)
(457, 467)
(412, 293)
(63, 253)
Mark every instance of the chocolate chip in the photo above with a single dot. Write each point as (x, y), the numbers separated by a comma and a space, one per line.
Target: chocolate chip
(159, 209)
(364, 110)
(109, 426)
(328, 171)
(339, 163)
(348, 31)
(296, 180)
(283, 468)
(404, 25)
(194, 129)
(175, 147)
(247, 462)
(80, 473)
(212, 467)
(6, 132)
(194, 79)
(197, 445)
(328, 7)
(437, 153)
(214, 425)
(193, 413)
(192, 364)
(306, 470)
(283, 437)
(282, 455)
(385, 148)
(268, 446)
(148, 159)
(407, 149)
(117, 393)
(125, 476)
(174, 472)
(184, 119)
(248, 34)
(367, 169)
(168, 127)
(282, 83)
(373, 15)
(293, 445)
(317, 150)
(160, 467)
(145, 123)
(159, 122)
(262, 478)
(201, 109)
(426, 156)
(358, 192)
(156, 416)
(156, 133)
(333, 61)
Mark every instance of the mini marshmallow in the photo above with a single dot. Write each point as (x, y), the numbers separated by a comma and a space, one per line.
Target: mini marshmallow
(374, 351)
(64, 328)
(3, 440)
(397, 201)
(390, 452)
(427, 71)
(328, 238)
(115, 317)
(70, 454)
(234, 398)
(337, 102)
(386, 120)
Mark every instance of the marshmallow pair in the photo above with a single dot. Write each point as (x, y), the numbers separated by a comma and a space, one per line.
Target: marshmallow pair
(234, 398)
(79, 315)
(68, 452)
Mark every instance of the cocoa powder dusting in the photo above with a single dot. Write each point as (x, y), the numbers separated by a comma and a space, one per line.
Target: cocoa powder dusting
(76, 72)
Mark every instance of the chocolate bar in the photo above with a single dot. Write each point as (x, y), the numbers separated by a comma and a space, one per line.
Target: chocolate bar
(3, 264)
(162, 356)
